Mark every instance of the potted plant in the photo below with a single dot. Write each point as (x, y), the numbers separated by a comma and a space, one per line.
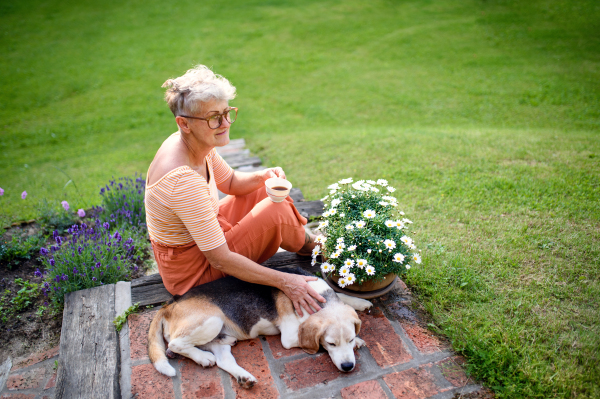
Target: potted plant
(364, 245)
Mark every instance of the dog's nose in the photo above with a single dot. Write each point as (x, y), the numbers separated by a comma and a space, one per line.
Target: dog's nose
(347, 366)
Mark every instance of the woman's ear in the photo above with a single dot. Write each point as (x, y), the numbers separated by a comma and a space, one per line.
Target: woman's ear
(310, 333)
(183, 124)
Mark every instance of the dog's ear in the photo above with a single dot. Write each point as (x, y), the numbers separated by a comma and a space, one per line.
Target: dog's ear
(357, 324)
(310, 333)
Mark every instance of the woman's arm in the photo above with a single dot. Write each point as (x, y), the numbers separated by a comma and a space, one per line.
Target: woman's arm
(293, 285)
(242, 183)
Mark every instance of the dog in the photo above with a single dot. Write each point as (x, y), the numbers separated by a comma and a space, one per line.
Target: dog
(206, 321)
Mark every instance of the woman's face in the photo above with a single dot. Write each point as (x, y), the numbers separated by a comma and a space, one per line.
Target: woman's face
(203, 133)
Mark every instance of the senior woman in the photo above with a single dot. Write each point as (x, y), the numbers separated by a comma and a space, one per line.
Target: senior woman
(195, 237)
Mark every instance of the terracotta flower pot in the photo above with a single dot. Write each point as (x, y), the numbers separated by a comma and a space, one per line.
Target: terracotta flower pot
(366, 290)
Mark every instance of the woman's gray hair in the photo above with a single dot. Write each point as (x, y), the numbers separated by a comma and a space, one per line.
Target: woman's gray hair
(186, 93)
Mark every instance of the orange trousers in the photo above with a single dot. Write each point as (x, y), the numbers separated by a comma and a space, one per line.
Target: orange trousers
(254, 227)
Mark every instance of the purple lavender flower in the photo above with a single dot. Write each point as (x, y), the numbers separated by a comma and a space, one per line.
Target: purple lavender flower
(46, 285)
(43, 251)
(65, 205)
(58, 240)
(37, 273)
(98, 265)
(83, 226)
(115, 258)
(93, 278)
(51, 261)
(75, 271)
(120, 186)
(102, 191)
(80, 250)
(65, 277)
(53, 248)
(55, 234)
(24, 195)
(1, 192)
(81, 213)
(106, 225)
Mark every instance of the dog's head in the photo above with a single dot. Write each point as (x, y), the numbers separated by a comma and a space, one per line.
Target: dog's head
(336, 329)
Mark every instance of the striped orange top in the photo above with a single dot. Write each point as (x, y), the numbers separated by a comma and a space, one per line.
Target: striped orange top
(182, 206)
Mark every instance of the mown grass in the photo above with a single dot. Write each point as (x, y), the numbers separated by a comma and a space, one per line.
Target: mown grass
(484, 113)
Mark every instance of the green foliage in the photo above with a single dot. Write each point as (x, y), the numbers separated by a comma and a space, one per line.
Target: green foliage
(20, 247)
(54, 218)
(121, 319)
(20, 301)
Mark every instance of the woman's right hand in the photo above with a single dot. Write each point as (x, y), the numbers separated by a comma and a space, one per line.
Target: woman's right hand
(302, 295)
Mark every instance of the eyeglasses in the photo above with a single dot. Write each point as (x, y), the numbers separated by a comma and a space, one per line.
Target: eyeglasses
(215, 121)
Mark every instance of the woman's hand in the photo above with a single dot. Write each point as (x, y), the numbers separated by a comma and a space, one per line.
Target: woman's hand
(273, 172)
(302, 295)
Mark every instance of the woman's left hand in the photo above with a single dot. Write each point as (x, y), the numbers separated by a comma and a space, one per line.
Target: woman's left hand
(273, 172)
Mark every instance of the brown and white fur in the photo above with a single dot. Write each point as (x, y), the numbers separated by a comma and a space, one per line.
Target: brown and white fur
(204, 323)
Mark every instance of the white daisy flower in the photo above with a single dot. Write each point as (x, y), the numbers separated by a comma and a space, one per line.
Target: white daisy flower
(331, 192)
(349, 227)
(416, 258)
(326, 214)
(344, 271)
(412, 246)
(320, 239)
(322, 225)
(342, 215)
(360, 224)
(313, 261)
(350, 279)
(376, 190)
(401, 213)
(326, 267)
(340, 239)
(335, 202)
(406, 221)
(340, 247)
(348, 263)
(407, 240)
(351, 247)
(389, 244)
(391, 189)
(370, 270)
(357, 186)
(388, 198)
(390, 223)
(382, 182)
(408, 266)
(342, 282)
(332, 211)
(324, 198)
(369, 214)
(335, 255)
(346, 181)
(399, 258)
(353, 196)
(384, 203)
(333, 186)
(361, 263)
(369, 250)
(316, 250)
(399, 224)
(371, 182)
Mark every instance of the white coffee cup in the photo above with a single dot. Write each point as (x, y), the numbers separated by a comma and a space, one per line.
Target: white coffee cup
(277, 189)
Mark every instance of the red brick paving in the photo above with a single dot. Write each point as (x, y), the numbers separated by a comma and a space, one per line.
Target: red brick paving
(452, 370)
(385, 345)
(146, 382)
(278, 350)
(51, 382)
(27, 380)
(415, 383)
(138, 333)
(364, 390)
(311, 371)
(199, 382)
(20, 363)
(423, 339)
(250, 356)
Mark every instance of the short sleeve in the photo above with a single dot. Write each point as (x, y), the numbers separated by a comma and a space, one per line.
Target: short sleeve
(191, 202)
(221, 169)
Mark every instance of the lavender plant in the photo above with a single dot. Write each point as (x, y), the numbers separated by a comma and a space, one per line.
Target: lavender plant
(123, 202)
(90, 257)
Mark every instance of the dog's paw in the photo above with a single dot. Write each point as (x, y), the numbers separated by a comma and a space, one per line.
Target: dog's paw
(163, 366)
(226, 340)
(206, 360)
(358, 343)
(246, 381)
(356, 303)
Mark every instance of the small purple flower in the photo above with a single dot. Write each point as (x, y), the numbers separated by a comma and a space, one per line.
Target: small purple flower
(115, 258)
(65, 205)
(102, 191)
(58, 240)
(98, 265)
(93, 278)
(43, 251)
(121, 187)
(81, 213)
(51, 261)
(45, 303)
(46, 285)
(1, 192)
(53, 248)
(65, 277)
(55, 234)
(24, 195)
(37, 273)
(80, 250)
(106, 225)
(75, 271)
(83, 226)
(118, 267)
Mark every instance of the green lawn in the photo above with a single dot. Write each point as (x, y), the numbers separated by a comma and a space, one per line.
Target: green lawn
(485, 115)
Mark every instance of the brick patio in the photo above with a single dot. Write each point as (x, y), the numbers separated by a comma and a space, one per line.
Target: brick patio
(400, 360)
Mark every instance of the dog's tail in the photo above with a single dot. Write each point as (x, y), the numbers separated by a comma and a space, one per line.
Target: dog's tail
(156, 345)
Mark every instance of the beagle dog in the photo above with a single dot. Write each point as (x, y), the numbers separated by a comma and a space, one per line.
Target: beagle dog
(205, 322)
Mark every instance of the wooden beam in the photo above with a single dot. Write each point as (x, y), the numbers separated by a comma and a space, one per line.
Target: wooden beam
(89, 346)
